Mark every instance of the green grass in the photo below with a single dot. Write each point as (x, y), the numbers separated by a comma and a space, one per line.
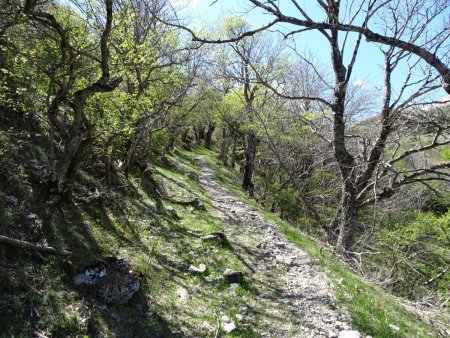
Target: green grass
(371, 309)
(128, 225)
(445, 154)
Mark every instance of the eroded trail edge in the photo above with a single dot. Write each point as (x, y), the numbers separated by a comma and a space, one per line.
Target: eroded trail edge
(296, 296)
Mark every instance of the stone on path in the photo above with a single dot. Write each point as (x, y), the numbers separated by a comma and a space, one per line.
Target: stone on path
(182, 294)
(172, 212)
(200, 269)
(281, 245)
(197, 204)
(331, 319)
(192, 176)
(227, 324)
(394, 327)
(239, 317)
(284, 260)
(349, 334)
(215, 237)
(232, 276)
(207, 326)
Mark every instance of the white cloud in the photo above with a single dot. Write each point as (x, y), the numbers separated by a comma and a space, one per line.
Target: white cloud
(185, 3)
(359, 83)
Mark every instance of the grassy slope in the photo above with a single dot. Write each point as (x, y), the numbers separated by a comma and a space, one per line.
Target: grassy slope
(36, 294)
(371, 309)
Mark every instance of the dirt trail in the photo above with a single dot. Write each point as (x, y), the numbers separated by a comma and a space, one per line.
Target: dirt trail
(295, 294)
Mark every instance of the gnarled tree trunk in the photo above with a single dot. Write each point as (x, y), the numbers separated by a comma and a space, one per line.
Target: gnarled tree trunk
(347, 221)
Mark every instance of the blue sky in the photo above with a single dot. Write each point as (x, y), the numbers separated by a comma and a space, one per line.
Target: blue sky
(368, 71)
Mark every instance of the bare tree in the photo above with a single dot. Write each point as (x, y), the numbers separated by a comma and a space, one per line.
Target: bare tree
(404, 31)
(419, 16)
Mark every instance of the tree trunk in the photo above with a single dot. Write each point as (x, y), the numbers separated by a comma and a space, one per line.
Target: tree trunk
(65, 165)
(199, 133)
(197, 139)
(129, 156)
(344, 158)
(224, 147)
(208, 135)
(347, 224)
(233, 151)
(184, 135)
(168, 145)
(332, 228)
(250, 154)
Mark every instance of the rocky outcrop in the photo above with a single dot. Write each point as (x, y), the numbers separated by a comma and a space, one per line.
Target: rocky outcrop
(112, 280)
(201, 268)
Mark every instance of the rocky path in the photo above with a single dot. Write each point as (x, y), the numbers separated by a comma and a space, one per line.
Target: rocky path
(294, 293)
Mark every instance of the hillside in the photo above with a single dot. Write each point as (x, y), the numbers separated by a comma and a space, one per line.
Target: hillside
(155, 221)
(205, 168)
